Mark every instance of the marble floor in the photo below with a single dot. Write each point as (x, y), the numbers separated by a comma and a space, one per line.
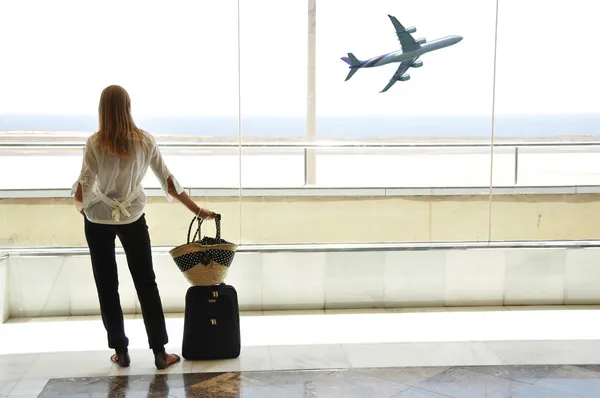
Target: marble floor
(39, 355)
(415, 382)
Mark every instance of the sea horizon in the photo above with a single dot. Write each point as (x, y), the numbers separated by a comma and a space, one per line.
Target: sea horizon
(388, 127)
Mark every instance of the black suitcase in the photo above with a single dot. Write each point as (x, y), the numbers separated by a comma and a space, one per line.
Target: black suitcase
(211, 327)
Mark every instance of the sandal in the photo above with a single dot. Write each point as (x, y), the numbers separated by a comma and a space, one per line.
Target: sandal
(162, 360)
(121, 359)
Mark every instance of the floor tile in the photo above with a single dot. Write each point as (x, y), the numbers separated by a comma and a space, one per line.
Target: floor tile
(268, 392)
(593, 368)
(540, 392)
(70, 364)
(288, 377)
(26, 396)
(7, 386)
(573, 380)
(547, 352)
(347, 390)
(29, 387)
(562, 382)
(527, 352)
(414, 392)
(579, 351)
(308, 357)
(407, 375)
(250, 359)
(526, 374)
(14, 367)
(463, 383)
(345, 383)
(421, 354)
(221, 385)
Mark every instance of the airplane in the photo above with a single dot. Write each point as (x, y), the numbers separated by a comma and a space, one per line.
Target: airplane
(408, 57)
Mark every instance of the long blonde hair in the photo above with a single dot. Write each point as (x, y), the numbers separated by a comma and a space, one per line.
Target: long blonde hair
(116, 125)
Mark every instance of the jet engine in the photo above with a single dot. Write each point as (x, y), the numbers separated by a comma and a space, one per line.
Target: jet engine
(412, 29)
(421, 41)
(404, 78)
(417, 64)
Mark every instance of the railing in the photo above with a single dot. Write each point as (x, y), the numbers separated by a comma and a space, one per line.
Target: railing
(516, 146)
(318, 144)
(329, 247)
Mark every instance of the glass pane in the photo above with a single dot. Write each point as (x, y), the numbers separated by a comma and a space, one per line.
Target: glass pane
(447, 99)
(32, 221)
(546, 161)
(273, 69)
(273, 108)
(390, 166)
(183, 87)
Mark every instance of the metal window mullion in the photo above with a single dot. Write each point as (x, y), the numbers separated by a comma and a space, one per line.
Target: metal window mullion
(310, 158)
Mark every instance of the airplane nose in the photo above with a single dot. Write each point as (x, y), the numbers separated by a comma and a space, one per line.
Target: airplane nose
(459, 38)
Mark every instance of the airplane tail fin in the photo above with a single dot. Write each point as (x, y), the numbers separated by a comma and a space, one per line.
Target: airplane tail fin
(351, 60)
(354, 64)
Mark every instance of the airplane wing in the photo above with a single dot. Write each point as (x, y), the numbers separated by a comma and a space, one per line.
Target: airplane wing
(404, 66)
(407, 42)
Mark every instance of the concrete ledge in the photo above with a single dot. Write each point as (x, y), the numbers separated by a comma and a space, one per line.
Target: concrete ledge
(316, 191)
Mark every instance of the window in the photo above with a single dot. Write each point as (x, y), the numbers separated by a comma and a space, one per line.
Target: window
(546, 105)
(260, 123)
(179, 62)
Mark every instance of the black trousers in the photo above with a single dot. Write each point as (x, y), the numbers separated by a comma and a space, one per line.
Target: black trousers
(136, 242)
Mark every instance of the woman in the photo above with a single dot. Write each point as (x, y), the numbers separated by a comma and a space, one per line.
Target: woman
(109, 194)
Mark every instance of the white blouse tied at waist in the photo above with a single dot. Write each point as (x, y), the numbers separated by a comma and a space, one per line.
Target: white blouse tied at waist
(112, 186)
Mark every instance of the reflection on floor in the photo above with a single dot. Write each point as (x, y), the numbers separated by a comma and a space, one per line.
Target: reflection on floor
(425, 382)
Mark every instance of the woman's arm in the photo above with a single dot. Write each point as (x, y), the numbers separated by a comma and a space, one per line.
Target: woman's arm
(184, 198)
(79, 198)
(170, 185)
(87, 176)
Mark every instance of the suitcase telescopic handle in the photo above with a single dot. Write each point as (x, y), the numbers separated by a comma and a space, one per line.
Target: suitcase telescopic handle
(217, 218)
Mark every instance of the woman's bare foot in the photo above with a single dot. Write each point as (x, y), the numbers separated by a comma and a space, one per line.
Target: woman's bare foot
(162, 360)
(122, 359)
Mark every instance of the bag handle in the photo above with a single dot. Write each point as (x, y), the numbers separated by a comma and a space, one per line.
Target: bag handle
(217, 218)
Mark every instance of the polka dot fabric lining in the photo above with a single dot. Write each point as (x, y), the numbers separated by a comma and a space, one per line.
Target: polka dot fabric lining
(204, 258)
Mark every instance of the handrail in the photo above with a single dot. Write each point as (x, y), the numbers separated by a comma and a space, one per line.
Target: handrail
(305, 145)
(329, 247)
(301, 144)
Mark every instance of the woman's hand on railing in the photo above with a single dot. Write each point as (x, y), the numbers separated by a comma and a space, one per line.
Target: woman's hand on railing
(206, 214)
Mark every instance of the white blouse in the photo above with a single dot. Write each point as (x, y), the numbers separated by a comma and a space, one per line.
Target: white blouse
(112, 186)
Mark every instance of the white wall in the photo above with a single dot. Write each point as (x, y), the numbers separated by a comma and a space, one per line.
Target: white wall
(63, 285)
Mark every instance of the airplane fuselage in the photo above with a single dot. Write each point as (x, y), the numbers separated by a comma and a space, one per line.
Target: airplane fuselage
(399, 56)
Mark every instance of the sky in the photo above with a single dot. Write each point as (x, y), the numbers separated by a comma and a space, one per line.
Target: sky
(180, 58)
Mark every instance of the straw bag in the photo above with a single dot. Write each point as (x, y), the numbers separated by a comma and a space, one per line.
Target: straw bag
(204, 262)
